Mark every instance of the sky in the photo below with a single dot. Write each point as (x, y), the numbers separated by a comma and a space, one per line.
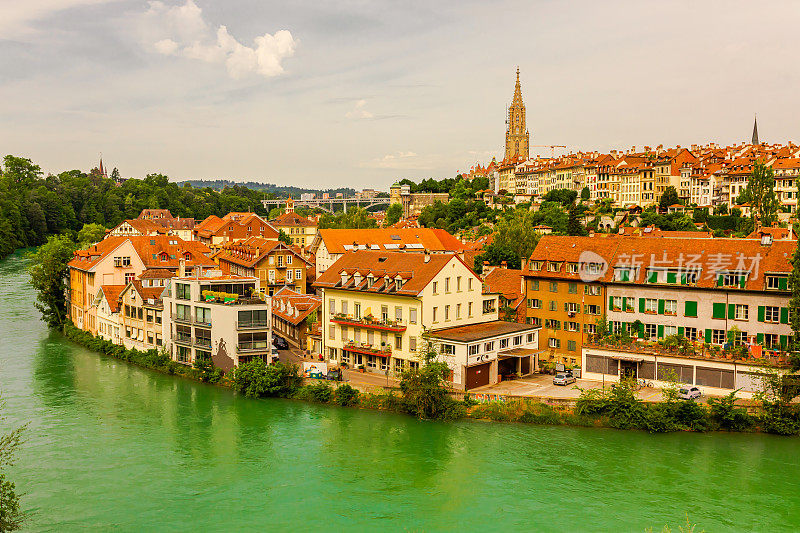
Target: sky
(363, 93)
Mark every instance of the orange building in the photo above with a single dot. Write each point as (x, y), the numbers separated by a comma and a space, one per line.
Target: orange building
(272, 262)
(216, 232)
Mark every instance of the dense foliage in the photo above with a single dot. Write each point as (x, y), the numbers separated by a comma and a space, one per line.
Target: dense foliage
(257, 379)
(11, 514)
(353, 218)
(48, 276)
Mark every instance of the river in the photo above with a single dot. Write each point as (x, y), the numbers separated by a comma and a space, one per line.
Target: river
(112, 446)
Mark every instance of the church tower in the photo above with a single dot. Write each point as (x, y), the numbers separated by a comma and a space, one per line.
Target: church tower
(517, 136)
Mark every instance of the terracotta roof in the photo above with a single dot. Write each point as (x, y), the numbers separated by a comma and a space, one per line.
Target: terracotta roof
(249, 252)
(293, 306)
(777, 233)
(484, 330)
(156, 273)
(155, 251)
(145, 227)
(292, 220)
(507, 282)
(338, 241)
(112, 293)
(234, 226)
(146, 293)
(412, 268)
(711, 256)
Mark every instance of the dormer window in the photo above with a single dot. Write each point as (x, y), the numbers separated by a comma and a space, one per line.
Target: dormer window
(370, 280)
(344, 278)
(553, 266)
(399, 283)
(572, 268)
(777, 283)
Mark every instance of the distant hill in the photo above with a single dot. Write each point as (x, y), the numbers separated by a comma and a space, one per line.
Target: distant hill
(271, 188)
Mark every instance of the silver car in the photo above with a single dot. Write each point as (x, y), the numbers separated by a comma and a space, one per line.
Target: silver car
(689, 393)
(563, 379)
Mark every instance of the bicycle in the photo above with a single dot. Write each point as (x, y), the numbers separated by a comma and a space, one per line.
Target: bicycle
(643, 384)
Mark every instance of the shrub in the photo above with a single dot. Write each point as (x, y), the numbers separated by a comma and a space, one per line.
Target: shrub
(539, 413)
(692, 415)
(346, 395)
(726, 415)
(780, 418)
(256, 379)
(318, 392)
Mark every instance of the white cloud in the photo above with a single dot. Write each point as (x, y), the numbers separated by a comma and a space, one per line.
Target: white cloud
(358, 111)
(398, 160)
(182, 31)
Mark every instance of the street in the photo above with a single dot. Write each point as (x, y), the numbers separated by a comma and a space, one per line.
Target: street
(354, 377)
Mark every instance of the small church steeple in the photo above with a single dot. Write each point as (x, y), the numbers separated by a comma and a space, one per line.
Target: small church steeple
(755, 130)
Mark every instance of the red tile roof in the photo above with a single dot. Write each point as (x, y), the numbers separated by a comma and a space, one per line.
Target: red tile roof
(112, 293)
(434, 240)
(292, 220)
(155, 251)
(293, 306)
(507, 282)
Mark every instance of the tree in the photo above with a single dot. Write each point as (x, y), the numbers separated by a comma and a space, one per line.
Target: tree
(90, 234)
(794, 303)
(393, 214)
(354, 218)
(284, 238)
(668, 198)
(11, 516)
(424, 389)
(115, 174)
(514, 239)
(585, 194)
(574, 226)
(565, 197)
(761, 193)
(48, 274)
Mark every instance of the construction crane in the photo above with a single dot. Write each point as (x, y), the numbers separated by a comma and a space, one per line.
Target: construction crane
(551, 146)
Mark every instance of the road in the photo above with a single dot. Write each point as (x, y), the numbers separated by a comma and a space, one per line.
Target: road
(354, 377)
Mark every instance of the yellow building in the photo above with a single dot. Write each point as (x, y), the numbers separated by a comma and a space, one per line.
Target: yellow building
(300, 230)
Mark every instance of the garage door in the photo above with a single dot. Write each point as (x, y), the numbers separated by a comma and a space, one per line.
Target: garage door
(478, 375)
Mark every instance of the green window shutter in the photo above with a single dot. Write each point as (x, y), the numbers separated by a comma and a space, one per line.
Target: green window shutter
(680, 330)
(610, 302)
(683, 279)
(760, 338)
(690, 308)
(742, 281)
(652, 276)
(731, 311)
(672, 277)
(784, 341)
(783, 284)
(624, 304)
(761, 313)
(641, 331)
(708, 336)
(784, 315)
(718, 310)
(626, 275)
(661, 307)
(565, 307)
(641, 305)
(719, 280)
(660, 331)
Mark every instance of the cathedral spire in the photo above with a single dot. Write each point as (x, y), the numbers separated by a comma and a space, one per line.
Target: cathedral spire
(755, 130)
(517, 137)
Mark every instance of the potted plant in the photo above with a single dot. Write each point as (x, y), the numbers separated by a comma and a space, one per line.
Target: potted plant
(361, 368)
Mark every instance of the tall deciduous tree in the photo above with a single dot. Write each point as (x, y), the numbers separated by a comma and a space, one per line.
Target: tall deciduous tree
(48, 274)
(668, 198)
(393, 214)
(760, 192)
(794, 303)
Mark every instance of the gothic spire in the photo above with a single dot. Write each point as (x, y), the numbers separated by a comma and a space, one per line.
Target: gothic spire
(755, 130)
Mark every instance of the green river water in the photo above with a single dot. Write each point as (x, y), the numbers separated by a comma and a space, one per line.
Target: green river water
(112, 446)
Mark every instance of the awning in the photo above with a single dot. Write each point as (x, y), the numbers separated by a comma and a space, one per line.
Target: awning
(628, 358)
(518, 352)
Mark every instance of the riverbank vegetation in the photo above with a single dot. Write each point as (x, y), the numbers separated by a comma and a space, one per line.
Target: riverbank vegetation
(12, 517)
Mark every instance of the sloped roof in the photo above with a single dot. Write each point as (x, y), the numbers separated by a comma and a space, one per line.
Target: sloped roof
(506, 281)
(293, 306)
(412, 268)
(292, 220)
(150, 249)
(251, 251)
(111, 294)
(338, 241)
(156, 273)
(483, 330)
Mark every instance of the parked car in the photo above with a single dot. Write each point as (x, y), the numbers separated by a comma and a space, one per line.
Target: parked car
(689, 393)
(562, 378)
(280, 343)
(334, 374)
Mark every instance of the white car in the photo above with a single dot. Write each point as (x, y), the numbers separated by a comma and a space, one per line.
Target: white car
(563, 379)
(689, 393)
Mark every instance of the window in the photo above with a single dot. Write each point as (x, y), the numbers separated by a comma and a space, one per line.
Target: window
(446, 285)
(534, 284)
(777, 283)
(473, 349)
(554, 343)
(572, 268)
(571, 346)
(412, 315)
(280, 261)
(591, 290)
(571, 307)
(435, 287)
(469, 284)
(591, 309)
(288, 259)
(469, 309)
(651, 305)
(488, 347)
(182, 291)
(670, 307)
(332, 306)
(534, 303)
(357, 310)
(650, 331)
(202, 315)
(771, 313)
(553, 266)
(184, 354)
(690, 333)
(517, 340)
(690, 308)
(553, 305)
(182, 312)
(630, 304)
(447, 312)
(289, 275)
(488, 306)
(398, 342)
(741, 312)
(448, 349)
(573, 288)
(344, 307)
(503, 343)
(616, 303)
(670, 330)
(553, 286)
(572, 326)
(458, 311)
(129, 276)
(718, 336)
(435, 310)
(385, 313)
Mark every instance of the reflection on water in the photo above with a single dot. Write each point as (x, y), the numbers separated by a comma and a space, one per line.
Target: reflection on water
(112, 446)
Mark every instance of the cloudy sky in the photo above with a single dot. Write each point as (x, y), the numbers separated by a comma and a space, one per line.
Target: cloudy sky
(360, 93)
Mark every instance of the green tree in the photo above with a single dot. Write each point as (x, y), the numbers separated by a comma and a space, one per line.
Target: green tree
(11, 515)
(48, 274)
(393, 214)
(668, 198)
(574, 226)
(794, 303)
(354, 218)
(91, 234)
(256, 379)
(760, 192)
(585, 194)
(284, 238)
(514, 239)
(424, 390)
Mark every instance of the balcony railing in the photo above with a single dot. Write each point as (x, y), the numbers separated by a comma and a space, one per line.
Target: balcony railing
(252, 324)
(183, 338)
(252, 346)
(370, 323)
(364, 348)
(182, 320)
(202, 342)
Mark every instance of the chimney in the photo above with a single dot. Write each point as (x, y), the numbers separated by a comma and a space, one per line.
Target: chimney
(181, 267)
(486, 269)
(427, 256)
(504, 264)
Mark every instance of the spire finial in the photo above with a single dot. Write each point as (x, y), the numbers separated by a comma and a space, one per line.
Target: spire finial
(755, 130)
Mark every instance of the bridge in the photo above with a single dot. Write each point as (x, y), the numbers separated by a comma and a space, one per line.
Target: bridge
(327, 204)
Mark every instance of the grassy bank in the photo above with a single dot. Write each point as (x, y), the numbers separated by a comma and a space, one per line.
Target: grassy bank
(423, 394)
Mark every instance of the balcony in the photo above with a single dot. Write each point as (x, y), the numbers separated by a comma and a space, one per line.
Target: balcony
(202, 342)
(183, 338)
(368, 349)
(182, 320)
(396, 326)
(252, 324)
(252, 346)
